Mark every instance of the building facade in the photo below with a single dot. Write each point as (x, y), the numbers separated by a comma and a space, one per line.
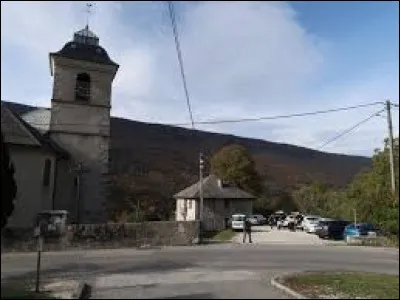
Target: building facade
(220, 202)
(80, 123)
(62, 163)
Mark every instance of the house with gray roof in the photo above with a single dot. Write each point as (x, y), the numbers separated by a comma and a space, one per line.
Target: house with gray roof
(220, 201)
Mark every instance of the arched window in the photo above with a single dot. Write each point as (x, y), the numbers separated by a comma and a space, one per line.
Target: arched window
(82, 88)
(46, 172)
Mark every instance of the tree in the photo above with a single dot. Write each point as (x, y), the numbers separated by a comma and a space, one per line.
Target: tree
(8, 185)
(312, 198)
(136, 198)
(369, 194)
(234, 163)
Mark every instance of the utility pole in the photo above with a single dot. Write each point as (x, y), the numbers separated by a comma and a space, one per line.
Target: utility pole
(391, 154)
(201, 206)
(355, 216)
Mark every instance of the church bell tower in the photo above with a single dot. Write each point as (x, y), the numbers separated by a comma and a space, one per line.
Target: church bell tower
(80, 122)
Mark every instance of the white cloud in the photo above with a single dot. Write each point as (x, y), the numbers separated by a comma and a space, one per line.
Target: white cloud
(242, 59)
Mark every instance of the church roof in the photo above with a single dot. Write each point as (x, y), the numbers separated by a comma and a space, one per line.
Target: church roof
(39, 119)
(86, 32)
(19, 132)
(85, 46)
(14, 131)
(212, 189)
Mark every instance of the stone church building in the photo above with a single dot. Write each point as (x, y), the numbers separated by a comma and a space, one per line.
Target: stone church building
(61, 154)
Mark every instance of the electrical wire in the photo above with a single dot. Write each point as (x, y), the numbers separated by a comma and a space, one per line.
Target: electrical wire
(331, 140)
(241, 120)
(180, 59)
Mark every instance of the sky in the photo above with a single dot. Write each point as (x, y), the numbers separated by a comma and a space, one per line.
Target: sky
(241, 59)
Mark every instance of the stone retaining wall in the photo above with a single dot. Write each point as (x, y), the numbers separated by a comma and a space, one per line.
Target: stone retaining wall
(111, 235)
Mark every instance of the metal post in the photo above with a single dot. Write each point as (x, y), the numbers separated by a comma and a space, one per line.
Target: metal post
(355, 216)
(391, 154)
(39, 254)
(78, 173)
(201, 206)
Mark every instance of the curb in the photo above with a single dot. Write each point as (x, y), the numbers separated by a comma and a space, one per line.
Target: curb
(275, 283)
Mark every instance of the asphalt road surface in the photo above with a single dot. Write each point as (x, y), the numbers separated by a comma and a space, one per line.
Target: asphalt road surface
(199, 272)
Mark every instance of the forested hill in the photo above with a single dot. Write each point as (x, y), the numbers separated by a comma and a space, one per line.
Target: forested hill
(168, 156)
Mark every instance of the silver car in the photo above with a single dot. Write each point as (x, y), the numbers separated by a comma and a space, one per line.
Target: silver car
(257, 220)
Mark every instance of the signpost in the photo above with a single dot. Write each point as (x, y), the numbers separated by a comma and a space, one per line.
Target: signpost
(39, 237)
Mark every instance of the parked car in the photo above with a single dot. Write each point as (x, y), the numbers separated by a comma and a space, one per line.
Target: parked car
(238, 221)
(257, 219)
(275, 218)
(289, 221)
(359, 230)
(332, 229)
(320, 223)
(310, 224)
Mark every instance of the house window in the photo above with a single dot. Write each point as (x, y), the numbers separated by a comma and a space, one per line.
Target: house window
(190, 204)
(82, 88)
(46, 172)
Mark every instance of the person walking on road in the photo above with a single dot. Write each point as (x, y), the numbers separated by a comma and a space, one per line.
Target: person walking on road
(247, 229)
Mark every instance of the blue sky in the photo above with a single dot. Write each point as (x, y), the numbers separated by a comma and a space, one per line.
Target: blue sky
(242, 59)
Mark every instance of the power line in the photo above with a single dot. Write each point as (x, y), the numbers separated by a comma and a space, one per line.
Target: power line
(350, 129)
(180, 59)
(241, 120)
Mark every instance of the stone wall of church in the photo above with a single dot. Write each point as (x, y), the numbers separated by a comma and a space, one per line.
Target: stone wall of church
(102, 236)
(92, 153)
(65, 72)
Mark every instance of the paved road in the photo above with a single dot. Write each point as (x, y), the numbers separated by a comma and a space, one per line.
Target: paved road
(201, 272)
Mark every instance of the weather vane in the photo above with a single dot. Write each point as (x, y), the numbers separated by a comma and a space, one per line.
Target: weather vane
(88, 12)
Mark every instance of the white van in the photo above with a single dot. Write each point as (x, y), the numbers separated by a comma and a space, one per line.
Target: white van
(238, 221)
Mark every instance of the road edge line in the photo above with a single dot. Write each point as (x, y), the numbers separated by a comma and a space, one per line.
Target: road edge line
(276, 284)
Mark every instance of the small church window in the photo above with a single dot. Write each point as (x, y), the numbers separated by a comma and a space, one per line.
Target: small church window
(46, 172)
(82, 89)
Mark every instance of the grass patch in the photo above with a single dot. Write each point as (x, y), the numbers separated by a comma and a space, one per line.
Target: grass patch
(21, 291)
(222, 235)
(391, 241)
(329, 285)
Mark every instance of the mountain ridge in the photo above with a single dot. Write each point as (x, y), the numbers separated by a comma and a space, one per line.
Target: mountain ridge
(164, 158)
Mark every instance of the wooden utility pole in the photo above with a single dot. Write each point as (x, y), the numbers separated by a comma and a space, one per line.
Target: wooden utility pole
(391, 150)
(355, 216)
(201, 205)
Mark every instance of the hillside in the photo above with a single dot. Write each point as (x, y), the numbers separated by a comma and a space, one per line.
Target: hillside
(170, 156)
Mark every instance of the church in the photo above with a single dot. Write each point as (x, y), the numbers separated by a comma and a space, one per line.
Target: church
(61, 154)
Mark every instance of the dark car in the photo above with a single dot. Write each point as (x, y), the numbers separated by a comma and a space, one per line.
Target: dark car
(331, 229)
(274, 218)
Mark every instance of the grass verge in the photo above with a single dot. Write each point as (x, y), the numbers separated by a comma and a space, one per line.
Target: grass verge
(391, 241)
(338, 285)
(21, 291)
